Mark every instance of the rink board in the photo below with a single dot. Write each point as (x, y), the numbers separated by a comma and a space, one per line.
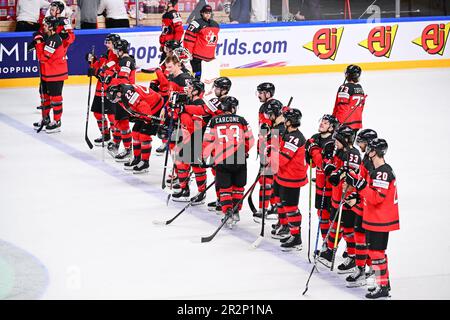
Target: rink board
(262, 49)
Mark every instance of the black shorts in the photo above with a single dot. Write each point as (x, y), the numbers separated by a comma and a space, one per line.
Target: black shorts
(97, 105)
(145, 128)
(326, 202)
(117, 23)
(289, 196)
(358, 224)
(52, 88)
(228, 175)
(377, 240)
(119, 112)
(347, 217)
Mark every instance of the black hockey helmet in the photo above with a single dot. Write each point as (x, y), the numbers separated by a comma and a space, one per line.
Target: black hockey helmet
(380, 146)
(172, 44)
(198, 86)
(121, 45)
(344, 135)
(223, 83)
(113, 37)
(173, 2)
(274, 107)
(59, 5)
(267, 87)
(111, 93)
(52, 22)
(332, 120)
(294, 116)
(352, 73)
(206, 9)
(366, 135)
(229, 104)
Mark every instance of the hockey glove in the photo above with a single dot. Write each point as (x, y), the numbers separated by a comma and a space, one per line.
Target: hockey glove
(38, 38)
(90, 57)
(310, 145)
(353, 199)
(355, 181)
(329, 168)
(64, 35)
(336, 177)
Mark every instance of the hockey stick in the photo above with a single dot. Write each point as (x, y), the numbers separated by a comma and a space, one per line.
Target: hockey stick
(169, 134)
(309, 211)
(40, 89)
(184, 209)
(320, 217)
(86, 138)
(258, 240)
(103, 120)
(341, 203)
(173, 163)
(250, 199)
(225, 219)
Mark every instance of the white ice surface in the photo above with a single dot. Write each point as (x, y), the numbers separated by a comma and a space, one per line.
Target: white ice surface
(90, 222)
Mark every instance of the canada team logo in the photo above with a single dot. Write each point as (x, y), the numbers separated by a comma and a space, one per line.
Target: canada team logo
(325, 43)
(211, 38)
(380, 40)
(434, 38)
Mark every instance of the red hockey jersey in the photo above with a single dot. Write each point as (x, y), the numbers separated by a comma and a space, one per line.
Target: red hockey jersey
(318, 154)
(288, 161)
(345, 159)
(349, 105)
(141, 102)
(228, 139)
(52, 57)
(380, 201)
(201, 39)
(172, 27)
(108, 61)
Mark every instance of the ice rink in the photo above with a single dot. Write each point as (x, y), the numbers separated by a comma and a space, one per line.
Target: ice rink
(75, 227)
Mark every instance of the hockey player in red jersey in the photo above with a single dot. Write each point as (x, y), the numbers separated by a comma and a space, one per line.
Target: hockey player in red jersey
(172, 26)
(288, 161)
(346, 157)
(109, 60)
(194, 115)
(350, 100)
(265, 92)
(319, 150)
(228, 139)
(381, 214)
(270, 132)
(144, 106)
(125, 73)
(221, 88)
(53, 67)
(358, 278)
(201, 39)
(64, 28)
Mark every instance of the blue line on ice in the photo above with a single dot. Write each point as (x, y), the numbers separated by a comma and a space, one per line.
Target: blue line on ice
(155, 191)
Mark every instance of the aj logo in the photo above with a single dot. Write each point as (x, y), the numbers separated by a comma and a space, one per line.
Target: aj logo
(325, 43)
(434, 38)
(380, 40)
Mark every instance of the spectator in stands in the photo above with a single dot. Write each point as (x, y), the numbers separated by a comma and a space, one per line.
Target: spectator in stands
(240, 11)
(28, 12)
(259, 11)
(116, 13)
(67, 12)
(195, 14)
(306, 10)
(88, 13)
